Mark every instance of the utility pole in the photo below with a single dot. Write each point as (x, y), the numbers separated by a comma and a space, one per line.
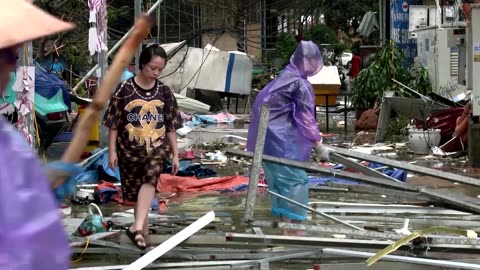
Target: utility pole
(137, 12)
(381, 20)
(474, 59)
(103, 64)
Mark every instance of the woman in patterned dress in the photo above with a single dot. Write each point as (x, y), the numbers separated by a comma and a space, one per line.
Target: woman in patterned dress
(142, 118)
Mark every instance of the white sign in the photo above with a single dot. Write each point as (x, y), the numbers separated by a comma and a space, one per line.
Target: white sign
(476, 46)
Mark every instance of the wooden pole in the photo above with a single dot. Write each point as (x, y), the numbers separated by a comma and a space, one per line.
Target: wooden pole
(257, 162)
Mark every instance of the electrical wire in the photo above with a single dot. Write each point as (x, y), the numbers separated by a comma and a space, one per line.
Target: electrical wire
(83, 251)
(179, 65)
(203, 62)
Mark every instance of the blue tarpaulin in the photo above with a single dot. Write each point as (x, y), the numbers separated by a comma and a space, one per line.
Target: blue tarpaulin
(97, 168)
(91, 170)
(187, 168)
(47, 85)
(392, 172)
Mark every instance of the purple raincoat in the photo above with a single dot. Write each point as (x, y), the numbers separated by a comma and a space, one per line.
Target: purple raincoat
(31, 233)
(292, 127)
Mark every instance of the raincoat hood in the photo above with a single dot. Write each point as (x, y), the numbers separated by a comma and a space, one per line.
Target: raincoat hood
(307, 59)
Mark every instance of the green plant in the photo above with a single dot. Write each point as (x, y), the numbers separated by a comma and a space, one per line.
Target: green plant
(372, 82)
(339, 48)
(262, 79)
(397, 131)
(286, 45)
(420, 79)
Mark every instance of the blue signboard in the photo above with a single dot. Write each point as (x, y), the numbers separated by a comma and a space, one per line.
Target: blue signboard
(399, 14)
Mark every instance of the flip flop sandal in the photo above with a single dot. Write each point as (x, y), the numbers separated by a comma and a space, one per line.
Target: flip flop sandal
(132, 236)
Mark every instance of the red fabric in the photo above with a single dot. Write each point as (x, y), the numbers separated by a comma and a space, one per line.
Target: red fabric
(356, 64)
(445, 120)
(299, 37)
(169, 183)
(467, 9)
(104, 185)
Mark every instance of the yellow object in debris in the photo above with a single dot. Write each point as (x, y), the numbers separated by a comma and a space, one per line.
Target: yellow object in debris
(94, 136)
(403, 241)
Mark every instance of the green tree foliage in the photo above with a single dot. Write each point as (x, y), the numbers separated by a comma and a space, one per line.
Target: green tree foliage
(321, 34)
(73, 46)
(286, 45)
(346, 14)
(388, 64)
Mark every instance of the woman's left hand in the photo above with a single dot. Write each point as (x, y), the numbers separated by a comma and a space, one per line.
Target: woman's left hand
(175, 165)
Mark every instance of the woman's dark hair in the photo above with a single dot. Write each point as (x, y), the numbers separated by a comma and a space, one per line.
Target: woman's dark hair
(149, 52)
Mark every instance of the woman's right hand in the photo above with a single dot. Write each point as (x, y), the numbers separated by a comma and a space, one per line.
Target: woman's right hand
(112, 160)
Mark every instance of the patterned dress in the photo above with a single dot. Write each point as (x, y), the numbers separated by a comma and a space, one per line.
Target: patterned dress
(142, 118)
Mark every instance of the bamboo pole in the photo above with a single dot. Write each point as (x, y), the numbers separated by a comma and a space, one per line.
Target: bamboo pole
(105, 92)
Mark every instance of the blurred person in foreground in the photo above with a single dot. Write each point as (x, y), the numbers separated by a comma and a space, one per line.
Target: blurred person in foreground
(292, 131)
(31, 231)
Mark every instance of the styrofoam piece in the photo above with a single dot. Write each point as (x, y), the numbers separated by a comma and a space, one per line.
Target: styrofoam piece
(171, 242)
(328, 75)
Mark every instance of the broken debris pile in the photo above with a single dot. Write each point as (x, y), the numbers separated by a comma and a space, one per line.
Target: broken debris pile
(383, 200)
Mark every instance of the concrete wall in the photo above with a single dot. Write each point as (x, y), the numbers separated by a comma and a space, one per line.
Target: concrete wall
(225, 42)
(216, 17)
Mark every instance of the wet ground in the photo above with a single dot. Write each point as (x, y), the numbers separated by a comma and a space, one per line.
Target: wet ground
(229, 207)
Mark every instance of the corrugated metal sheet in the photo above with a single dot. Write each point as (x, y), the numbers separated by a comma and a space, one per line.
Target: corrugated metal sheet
(368, 24)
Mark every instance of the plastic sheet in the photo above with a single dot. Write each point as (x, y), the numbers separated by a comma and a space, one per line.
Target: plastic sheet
(31, 232)
(90, 173)
(169, 183)
(106, 192)
(69, 186)
(289, 182)
(398, 174)
(187, 168)
(47, 85)
(219, 118)
(292, 127)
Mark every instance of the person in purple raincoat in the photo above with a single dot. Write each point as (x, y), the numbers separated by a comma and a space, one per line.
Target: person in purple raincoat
(292, 131)
(31, 232)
